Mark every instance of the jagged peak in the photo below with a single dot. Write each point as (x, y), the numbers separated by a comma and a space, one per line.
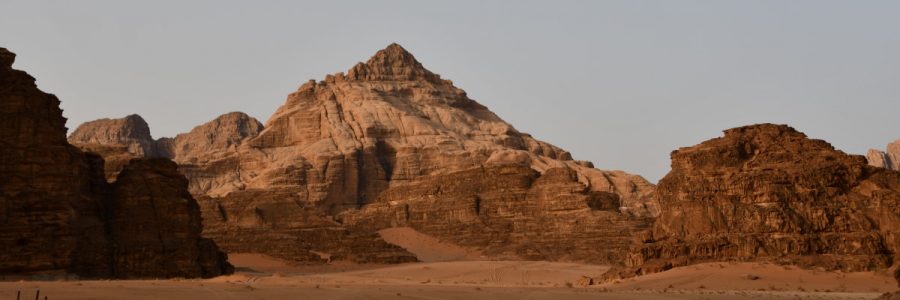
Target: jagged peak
(393, 63)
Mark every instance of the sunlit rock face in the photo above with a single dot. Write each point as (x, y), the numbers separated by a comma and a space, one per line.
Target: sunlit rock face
(889, 159)
(768, 193)
(391, 143)
(59, 215)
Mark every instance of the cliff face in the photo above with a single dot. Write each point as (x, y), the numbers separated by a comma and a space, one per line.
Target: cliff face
(889, 159)
(374, 148)
(768, 193)
(56, 208)
(46, 186)
(157, 225)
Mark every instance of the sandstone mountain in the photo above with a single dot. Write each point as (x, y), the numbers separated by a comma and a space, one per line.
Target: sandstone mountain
(889, 159)
(131, 132)
(768, 193)
(390, 143)
(59, 215)
(121, 140)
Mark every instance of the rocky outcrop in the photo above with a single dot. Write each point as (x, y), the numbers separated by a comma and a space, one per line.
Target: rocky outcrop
(118, 141)
(156, 225)
(121, 140)
(391, 143)
(47, 206)
(768, 193)
(59, 215)
(131, 132)
(889, 159)
(215, 138)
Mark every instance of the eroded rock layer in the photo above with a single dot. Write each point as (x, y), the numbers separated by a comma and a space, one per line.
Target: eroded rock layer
(768, 193)
(59, 215)
(390, 143)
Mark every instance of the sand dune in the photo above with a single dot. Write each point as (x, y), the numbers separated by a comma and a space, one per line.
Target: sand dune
(427, 248)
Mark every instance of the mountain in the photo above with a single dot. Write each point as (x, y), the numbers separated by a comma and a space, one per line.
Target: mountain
(889, 159)
(388, 144)
(59, 215)
(768, 193)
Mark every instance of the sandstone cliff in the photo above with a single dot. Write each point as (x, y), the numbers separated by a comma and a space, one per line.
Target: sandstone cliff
(390, 143)
(59, 215)
(889, 159)
(768, 193)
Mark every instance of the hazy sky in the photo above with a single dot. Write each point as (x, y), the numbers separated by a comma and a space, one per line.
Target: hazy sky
(619, 83)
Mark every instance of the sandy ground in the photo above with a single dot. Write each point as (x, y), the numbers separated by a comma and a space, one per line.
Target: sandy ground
(262, 277)
(453, 272)
(426, 247)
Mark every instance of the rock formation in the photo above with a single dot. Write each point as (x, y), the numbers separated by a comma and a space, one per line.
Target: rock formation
(390, 143)
(59, 215)
(768, 193)
(156, 225)
(121, 140)
(131, 132)
(889, 159)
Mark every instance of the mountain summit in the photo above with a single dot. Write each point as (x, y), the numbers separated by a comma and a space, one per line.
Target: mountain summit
(391, 144)
(393, 63)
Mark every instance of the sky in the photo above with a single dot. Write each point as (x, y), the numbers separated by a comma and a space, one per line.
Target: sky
(619, 83)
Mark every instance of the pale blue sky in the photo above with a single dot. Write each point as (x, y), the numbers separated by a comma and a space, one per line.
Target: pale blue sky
(620, 83)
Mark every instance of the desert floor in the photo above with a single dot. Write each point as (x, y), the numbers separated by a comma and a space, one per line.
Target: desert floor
(261, 277)
(451, 272)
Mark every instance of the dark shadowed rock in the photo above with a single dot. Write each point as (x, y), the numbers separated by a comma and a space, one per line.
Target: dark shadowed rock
(60, 215)
(156, 225)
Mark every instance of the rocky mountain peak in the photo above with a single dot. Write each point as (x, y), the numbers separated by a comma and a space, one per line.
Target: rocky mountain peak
(222, 133)
(393, 63)
(130, 133)
(130, 127)
(392, 144)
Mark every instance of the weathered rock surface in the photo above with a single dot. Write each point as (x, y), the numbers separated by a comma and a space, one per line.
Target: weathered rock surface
(46, 204)
(889, 159)
(390, 143)
(768, 193)
(121, 140)
(156, 225)
(131, 132)
(57, 210)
